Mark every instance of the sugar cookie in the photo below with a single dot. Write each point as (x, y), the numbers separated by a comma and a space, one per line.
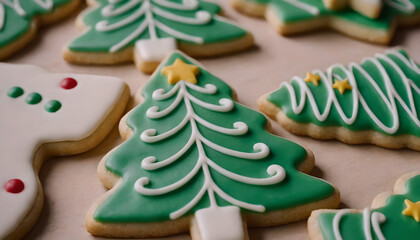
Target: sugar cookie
(393, 216)
(376, 102)
(194, 158)
(147, 30)
(42, 115)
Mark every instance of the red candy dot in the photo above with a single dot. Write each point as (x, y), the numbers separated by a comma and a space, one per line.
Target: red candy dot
(14, 186)
(68, 83)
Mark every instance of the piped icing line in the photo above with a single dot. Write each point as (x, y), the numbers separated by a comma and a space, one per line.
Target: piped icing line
(2, 16)
(276, 173)
(304, 6)
(405, 6)
(358, 99)
(377, 218)
(147, 9)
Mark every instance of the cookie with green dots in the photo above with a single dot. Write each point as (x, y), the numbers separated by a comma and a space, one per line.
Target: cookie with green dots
(42, 115)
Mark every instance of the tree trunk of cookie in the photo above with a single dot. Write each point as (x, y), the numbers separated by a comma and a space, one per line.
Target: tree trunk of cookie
(218, 223)
(155, 49)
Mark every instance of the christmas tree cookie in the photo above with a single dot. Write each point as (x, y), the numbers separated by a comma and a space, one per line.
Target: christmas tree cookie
(375, 102)
(394, 216)
(145, 31)
(290, 17)
(20, 20)
(42, 115)
(194, 158)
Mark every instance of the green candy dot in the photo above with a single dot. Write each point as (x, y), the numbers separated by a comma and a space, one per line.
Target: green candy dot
(53, 106)
(15, 92)
(33, 98)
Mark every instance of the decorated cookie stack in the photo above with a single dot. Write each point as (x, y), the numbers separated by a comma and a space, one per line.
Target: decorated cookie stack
(369, 20)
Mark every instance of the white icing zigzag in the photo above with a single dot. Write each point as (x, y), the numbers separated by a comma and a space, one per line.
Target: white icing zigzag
(147, 8)
(15, 4)
(377, 218)
(276, 172)
(390, 97)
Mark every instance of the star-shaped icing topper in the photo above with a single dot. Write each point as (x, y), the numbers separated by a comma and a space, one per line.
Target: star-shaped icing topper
(312, 78)
(342, 86)
(180, 70)
(412, 210)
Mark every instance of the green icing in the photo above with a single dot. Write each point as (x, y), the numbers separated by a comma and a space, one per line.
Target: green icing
(33, 98)
(289, 13)
(126, 205)
(396, 226)
(93, 40)
(407, 119)
(52, 106)
(15, 92)
(16, 25)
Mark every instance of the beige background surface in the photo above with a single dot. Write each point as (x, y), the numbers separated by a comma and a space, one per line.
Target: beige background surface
(359, 172)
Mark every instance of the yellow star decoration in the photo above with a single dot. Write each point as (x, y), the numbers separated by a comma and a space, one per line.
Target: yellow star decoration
(342, 86)
(180, 70)
(413, 209)
(312, 78)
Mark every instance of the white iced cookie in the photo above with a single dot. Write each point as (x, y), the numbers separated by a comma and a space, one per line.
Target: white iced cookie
(47, 114)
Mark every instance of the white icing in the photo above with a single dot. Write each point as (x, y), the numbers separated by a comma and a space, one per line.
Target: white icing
(261, 150)
(154, 50)
(336, 223)
(405, 6)
(2, 16)
(147, 9)
(221, 223)
(186, 4)
(29, 126)
(377, 218)
(304, 6)
(390, 98)
(366, 224)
